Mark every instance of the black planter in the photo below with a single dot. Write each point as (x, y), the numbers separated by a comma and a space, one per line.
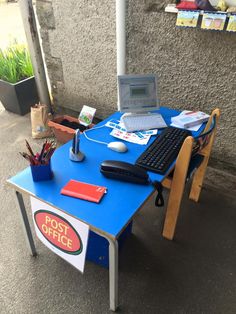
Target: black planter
(19, 97)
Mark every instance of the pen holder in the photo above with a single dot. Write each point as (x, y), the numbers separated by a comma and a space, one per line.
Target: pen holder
(76, 157)
(42, 172)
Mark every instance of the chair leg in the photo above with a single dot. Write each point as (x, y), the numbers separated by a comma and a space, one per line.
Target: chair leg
(177, 188)
(173, 207)
(198, 181)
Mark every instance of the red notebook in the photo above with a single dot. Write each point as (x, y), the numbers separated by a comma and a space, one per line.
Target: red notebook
(85, 191)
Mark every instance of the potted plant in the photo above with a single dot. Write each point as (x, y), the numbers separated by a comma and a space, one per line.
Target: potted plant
(18, 90)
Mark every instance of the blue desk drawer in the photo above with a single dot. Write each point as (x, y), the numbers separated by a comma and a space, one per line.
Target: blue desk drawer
(98, 247)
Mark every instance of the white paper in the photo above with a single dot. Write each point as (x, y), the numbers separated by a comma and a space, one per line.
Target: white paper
(119, 131)
(61, 233)
(193, 128)
(130, 137)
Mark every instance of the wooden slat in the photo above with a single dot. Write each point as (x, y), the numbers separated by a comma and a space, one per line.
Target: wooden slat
(177, 188)
(206, 152)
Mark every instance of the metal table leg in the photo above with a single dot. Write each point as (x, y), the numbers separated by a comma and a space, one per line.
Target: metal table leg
(26, 225)
(113, 254)
(113, 273)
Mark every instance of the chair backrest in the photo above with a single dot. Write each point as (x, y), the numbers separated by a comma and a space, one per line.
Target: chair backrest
(207, 137)
(194, 150)
(202, 144)
(192, 159)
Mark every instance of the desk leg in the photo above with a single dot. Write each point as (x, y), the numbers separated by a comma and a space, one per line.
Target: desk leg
(29, 237)
(113, 274)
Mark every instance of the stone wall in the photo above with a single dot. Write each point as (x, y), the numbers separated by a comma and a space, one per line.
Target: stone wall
(196, 68)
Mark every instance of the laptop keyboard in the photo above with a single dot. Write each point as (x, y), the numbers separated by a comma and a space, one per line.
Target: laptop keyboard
(137, 122)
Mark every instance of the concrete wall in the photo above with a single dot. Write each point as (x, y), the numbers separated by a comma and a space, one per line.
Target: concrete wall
(196, 68)
(80, 46)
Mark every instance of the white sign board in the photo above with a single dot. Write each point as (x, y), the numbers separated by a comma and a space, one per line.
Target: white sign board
(61, 233)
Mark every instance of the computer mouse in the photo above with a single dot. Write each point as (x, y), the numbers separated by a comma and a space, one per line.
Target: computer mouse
(117, 147)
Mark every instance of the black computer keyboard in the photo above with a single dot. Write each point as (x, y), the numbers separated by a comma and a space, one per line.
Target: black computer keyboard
(163, 151)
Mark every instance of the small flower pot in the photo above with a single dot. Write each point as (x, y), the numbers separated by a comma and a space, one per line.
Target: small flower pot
(63, 133)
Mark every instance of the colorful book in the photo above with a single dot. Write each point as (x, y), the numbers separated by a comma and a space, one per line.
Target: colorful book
(85, 191)
(189, 119)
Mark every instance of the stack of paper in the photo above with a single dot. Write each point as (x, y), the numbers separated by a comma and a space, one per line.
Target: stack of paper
(190, 119)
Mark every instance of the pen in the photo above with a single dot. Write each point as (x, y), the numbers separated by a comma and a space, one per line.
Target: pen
(41, 158)
(50, 153)
(77, 140)
(24, 156)
(29, 148)
(73, 143)
(28, 157)
(41, 153)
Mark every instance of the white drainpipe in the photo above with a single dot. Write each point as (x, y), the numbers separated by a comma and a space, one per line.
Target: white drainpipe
(120, 41)
(121, 36)
(31, 32)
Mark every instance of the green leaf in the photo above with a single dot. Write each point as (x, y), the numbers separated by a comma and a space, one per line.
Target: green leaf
(15, 63)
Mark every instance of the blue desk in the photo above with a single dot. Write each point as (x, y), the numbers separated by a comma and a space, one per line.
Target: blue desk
(116, 210)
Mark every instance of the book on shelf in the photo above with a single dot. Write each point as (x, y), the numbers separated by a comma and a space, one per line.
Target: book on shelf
(188, 119)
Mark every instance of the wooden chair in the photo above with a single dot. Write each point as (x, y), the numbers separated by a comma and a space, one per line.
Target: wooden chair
(193, 158)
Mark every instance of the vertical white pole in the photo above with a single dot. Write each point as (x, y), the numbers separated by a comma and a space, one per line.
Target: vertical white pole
(121, 36)
(120, 39)
(31, 32)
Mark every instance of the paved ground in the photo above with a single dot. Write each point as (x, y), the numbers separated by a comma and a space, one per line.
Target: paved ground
(193, 274)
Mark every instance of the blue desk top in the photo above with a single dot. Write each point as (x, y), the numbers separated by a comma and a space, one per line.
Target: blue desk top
(122, 200)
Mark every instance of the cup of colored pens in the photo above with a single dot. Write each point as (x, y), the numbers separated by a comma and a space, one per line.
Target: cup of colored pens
(40, 162)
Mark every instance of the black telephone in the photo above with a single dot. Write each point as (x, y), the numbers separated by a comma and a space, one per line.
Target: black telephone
(124, 171)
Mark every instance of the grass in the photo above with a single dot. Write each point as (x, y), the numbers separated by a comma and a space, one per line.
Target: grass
(15, 63)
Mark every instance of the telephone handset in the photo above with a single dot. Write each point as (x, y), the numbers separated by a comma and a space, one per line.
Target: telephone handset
(124, 171)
